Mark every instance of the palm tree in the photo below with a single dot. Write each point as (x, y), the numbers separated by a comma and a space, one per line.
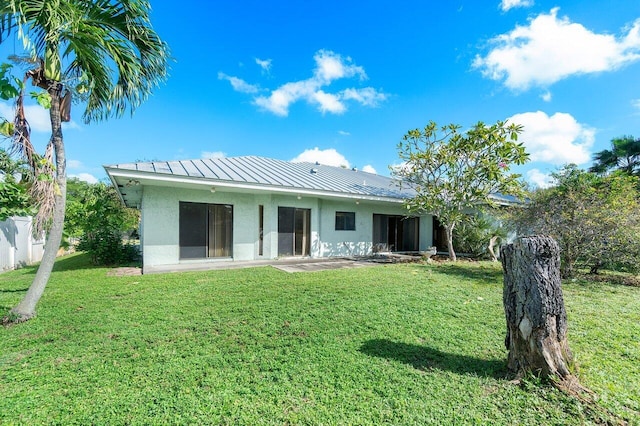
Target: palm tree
(106, 54)
(624, 155)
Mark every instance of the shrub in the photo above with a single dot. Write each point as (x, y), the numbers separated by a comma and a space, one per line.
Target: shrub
(595, 219)
(472, 236)
(106, 247)
(100, 220)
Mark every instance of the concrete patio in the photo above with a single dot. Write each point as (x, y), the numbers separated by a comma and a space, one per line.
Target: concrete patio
(287, 265)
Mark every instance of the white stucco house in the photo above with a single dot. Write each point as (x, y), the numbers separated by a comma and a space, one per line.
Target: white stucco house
(250, 208)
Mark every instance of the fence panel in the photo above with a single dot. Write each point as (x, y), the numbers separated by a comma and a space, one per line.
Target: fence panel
(17, 246)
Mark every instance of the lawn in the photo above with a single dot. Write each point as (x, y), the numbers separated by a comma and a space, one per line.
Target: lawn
(401, 344)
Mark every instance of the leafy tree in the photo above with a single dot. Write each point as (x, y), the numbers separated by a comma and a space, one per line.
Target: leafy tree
(101, 220)
(624, 156)
(77, 206)
(102, 52)
(14, 197)
(595, 219)
(453, 173)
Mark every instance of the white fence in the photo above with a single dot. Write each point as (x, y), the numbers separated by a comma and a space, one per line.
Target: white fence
(17, 245)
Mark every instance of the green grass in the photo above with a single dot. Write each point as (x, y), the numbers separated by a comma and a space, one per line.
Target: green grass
(400, 344)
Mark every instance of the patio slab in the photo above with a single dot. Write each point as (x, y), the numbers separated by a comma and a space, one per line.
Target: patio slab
(287, 265)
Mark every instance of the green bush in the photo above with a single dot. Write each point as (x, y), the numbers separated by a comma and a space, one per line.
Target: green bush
(106, 247)
(471, 237)
(595, 219)
(96, 215)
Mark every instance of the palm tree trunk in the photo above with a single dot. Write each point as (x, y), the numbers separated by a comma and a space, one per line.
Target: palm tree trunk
(449, 234)
(26, 309)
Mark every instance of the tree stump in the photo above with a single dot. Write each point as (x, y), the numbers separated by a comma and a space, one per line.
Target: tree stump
(534, 309)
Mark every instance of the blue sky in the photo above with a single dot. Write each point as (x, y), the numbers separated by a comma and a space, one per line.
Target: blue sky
(342, 82)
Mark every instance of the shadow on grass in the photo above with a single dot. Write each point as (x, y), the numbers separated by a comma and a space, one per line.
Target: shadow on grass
(425, 358)
(71, 262)
(484, 275)
(74, 262)
(14, 290)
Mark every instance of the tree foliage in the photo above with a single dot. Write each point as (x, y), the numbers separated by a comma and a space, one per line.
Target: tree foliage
(96, 215)
(14, 196)
(454, 172)
(595, 219)
(105, 51)
(623, 156)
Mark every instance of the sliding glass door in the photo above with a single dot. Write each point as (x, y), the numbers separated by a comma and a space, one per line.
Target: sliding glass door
(206, 230)
(396, 233)
(294, 235)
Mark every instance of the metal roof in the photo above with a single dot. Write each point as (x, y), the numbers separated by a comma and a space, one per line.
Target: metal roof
(260, 173)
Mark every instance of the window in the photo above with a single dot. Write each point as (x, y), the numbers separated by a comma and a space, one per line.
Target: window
(294, 231)
(206, 230)
(345, 221)
(260, 230)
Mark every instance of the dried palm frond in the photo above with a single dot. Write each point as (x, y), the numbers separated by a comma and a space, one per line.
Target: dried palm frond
(44, 189)
(22, 134)
(65, 107)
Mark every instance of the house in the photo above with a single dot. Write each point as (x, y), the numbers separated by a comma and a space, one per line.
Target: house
(250, 208)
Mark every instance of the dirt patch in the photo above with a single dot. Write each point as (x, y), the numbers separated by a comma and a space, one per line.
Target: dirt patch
(126, 271)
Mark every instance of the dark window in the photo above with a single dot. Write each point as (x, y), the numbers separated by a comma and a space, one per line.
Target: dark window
(206, 230)
(345, 221)
(260, 230)
(294, 231)
(396, 233)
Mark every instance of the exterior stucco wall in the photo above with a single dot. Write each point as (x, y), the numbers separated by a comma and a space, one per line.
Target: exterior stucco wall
(160, 224)
(359, 241)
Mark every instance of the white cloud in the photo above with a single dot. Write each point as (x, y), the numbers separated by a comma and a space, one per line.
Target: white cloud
(369, 169)
(265, 64)
(343, 133)
(329, 67)
(556, 139)
(74, 164)
(329, 102)
(367, 96)
(550, 49)
(403, 166)
(37, 117)
(510, 4)
(281, 98)
(635, 103)
(541, 180)
(87, 177)
(546, 96)
(238, 84)
(332, 66)
(212, 154)
(328, 157)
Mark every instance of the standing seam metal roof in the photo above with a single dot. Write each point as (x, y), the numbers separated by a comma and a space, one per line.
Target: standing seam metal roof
(276, 173)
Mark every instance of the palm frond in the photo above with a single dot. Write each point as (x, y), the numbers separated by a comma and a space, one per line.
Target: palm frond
(43, 189)
(112, 43)
(22, 133)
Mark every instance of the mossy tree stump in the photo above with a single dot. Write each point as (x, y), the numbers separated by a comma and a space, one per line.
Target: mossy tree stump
(534, 309)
